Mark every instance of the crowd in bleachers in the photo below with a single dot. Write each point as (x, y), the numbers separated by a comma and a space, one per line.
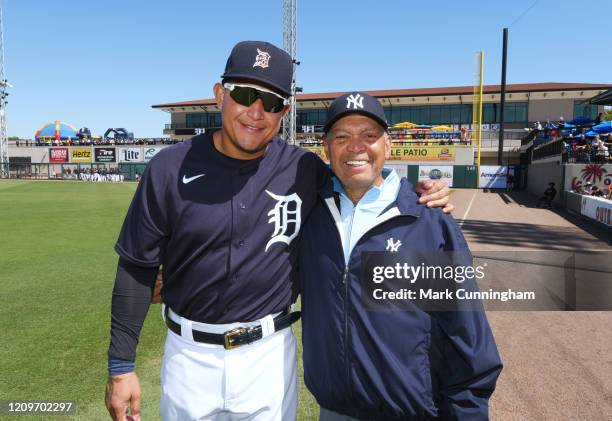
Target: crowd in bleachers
(408, 137)
(590, 190)
(584, 150)
(580, 143)
(95, 142)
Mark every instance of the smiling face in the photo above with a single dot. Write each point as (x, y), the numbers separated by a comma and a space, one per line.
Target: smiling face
(357, 147)
(246, 130)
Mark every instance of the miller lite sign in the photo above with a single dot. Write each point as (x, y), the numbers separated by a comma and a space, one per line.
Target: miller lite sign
(130, 155)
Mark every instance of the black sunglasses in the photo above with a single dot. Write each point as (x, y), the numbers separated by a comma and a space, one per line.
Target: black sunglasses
(246, 95)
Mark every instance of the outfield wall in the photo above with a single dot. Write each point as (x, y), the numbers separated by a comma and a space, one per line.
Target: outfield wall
(419, 154)
(453, 163)
(85, 154)
(539, 175)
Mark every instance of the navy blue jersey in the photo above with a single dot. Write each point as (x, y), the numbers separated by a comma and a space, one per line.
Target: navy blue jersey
(225, 230)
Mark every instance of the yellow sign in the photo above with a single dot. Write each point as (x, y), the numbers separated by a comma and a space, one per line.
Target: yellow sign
(81, 155)
(406, 153)
(422, 153)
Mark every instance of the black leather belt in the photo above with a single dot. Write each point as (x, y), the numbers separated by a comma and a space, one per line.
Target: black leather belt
(238, 336)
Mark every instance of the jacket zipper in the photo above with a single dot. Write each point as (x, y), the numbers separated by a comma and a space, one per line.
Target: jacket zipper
(344, 280)
(346, 296)
(346, 301)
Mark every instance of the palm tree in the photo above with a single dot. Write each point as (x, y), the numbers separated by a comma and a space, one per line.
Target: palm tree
(593, 173)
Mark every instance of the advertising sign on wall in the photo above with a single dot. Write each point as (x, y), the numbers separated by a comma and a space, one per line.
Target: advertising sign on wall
(423, 153)
(577, 175)
(433, 172)
(130, 155)
(598, 209)
(401, 170)
(406, 153)
(493, 177)
(79, 155)
(58, 154)
(150, 152)
(105, 155)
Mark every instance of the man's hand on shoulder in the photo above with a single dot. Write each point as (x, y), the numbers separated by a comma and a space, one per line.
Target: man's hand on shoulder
(156, 297)
(435, 194)
(123, 392)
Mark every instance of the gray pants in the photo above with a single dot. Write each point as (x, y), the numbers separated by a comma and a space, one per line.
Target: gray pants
(327, 415)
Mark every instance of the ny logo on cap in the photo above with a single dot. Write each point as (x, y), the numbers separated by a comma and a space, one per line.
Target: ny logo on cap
(261, 59)
(356, 100)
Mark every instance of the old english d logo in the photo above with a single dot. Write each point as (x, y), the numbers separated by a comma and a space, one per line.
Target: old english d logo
(262, 59)
(286, 217)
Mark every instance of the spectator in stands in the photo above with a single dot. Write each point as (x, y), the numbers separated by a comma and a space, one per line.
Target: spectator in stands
(609, 196)
(463, 135)
(598, 119)
(601, 150)
(549, 195)
(583, 150)
(567, 148)
(597, 192)
(588, 188)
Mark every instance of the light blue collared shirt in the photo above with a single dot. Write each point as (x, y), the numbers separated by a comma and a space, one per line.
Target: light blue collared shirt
(359, 219)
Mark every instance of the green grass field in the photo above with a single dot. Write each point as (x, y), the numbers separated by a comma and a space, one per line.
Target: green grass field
(57, 271)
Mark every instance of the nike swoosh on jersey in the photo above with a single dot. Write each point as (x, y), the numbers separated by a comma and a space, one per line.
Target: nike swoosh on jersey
(187, 180)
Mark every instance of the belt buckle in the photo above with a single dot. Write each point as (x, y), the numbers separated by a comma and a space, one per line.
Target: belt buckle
(228, 337)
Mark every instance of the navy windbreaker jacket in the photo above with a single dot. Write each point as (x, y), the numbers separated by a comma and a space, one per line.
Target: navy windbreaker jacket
(389, 364)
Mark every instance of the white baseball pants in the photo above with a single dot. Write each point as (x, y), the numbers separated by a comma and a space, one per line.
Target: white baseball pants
(207, 382)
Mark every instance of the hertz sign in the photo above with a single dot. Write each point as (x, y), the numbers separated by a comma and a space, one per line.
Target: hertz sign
(80, 155)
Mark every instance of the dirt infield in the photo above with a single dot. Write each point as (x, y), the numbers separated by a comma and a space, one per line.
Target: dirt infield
(557, 365)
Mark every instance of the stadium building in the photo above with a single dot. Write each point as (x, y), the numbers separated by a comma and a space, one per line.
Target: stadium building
(526, 104)
(434, 141)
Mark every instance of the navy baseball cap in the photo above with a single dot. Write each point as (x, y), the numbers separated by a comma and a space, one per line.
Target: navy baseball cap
(263, 62)
(355, 103)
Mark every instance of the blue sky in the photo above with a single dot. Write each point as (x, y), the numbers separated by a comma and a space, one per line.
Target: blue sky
(103, 64)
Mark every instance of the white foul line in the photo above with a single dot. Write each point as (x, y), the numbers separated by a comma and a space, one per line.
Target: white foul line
(468, 208)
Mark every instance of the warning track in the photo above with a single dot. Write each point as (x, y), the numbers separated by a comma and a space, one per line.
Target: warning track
(557, 365)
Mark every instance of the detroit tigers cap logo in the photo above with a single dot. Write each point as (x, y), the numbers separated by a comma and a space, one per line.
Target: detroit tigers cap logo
(262, 59)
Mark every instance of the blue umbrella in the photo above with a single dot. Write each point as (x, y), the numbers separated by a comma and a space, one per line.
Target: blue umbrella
(591, 133)
(605, 127)
(580, 121)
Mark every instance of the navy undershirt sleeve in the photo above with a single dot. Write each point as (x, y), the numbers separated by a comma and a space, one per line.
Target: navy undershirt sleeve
(130, 304)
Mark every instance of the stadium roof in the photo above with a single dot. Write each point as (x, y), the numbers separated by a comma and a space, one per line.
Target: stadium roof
(604, 98)
(452, 90)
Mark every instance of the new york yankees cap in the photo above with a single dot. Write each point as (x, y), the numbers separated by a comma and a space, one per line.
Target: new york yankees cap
(260, 61)
(355, 103)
